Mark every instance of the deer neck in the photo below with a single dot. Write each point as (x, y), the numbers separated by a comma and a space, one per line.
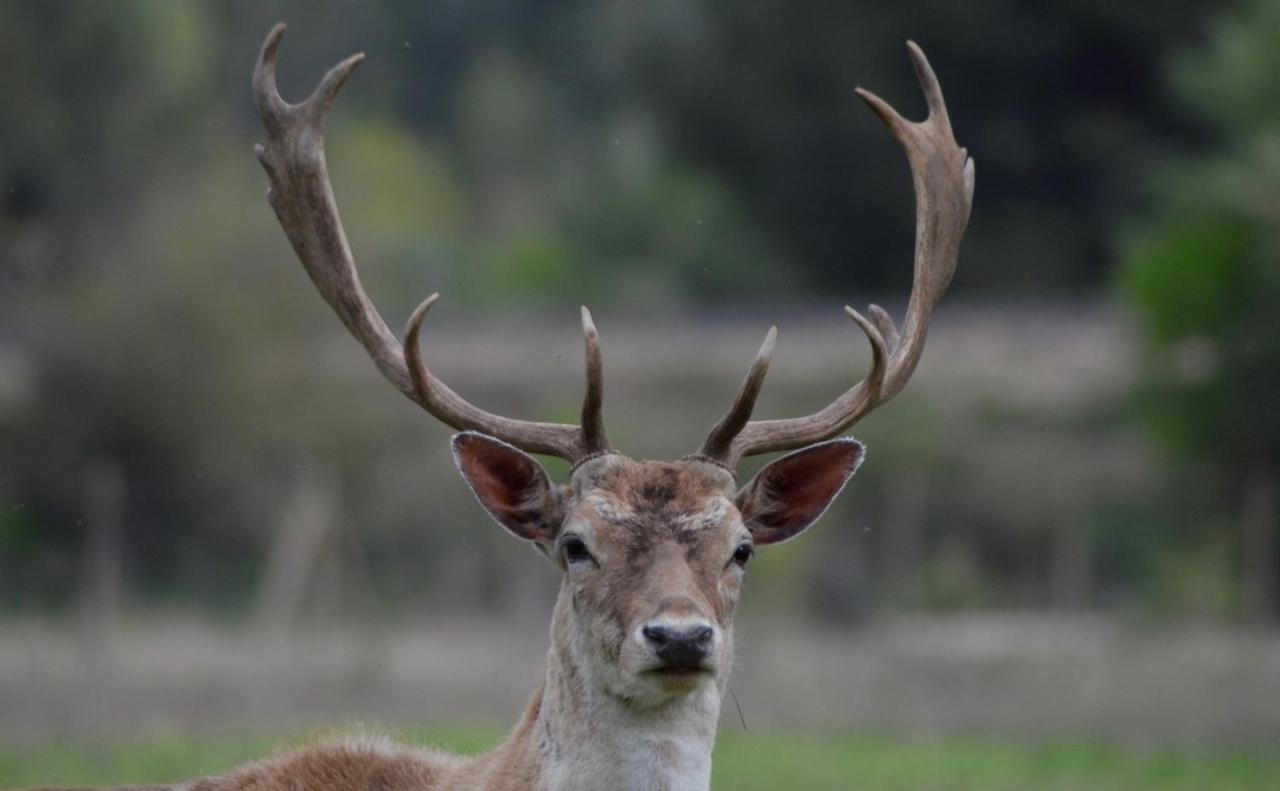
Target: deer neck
(588, 739)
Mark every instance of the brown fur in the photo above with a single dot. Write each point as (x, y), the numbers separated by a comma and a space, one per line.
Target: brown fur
(379, 764)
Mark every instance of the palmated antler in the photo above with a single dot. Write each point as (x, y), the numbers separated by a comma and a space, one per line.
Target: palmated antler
(943, 176)
(303, 201)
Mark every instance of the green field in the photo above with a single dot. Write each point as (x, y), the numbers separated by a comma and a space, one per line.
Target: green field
(747, 761)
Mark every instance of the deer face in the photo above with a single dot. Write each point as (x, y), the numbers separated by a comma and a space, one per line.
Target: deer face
(653, 553)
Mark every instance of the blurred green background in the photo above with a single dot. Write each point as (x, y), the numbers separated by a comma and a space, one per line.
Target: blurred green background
(1068, 527)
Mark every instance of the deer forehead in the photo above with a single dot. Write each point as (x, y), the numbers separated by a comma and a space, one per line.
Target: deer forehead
(602, 509)
(635, 505)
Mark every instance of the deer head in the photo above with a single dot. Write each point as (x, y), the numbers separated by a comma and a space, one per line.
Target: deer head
(652, 553)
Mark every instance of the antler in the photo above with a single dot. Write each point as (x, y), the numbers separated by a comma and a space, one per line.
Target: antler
(943, 176)
(303, 201)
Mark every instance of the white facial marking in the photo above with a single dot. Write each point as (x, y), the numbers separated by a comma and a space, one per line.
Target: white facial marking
(710, 516)
(608, 509)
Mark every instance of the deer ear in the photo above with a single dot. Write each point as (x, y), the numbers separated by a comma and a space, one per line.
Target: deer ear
(510, 484)
(789, 494)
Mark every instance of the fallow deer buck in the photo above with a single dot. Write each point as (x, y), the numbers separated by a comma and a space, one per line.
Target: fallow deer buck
(652, 553)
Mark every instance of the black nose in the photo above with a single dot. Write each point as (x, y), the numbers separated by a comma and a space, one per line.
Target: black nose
(680, 648)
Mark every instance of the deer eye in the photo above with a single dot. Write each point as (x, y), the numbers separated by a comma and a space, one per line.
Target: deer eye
(575, 551)
(742, 554)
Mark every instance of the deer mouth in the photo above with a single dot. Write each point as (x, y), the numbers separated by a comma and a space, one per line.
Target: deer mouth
(679, 671)
(680, 674)
(679, 681)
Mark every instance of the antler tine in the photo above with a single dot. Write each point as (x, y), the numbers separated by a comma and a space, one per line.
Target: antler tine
(303, 201)
(884, 322)
(943, 176)
(766, 436)
(594, 439)
(721, 437)
(271, 106)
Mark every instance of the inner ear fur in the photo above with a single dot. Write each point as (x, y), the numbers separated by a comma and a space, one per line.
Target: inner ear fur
(792, 492)
(510, 484)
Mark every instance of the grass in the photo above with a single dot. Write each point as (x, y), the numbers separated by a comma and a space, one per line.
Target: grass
(743, 762)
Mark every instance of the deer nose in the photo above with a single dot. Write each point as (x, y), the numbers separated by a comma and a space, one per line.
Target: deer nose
(680, 647)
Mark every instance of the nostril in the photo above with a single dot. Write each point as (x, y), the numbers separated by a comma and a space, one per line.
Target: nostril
(658, 635)
(684, 648)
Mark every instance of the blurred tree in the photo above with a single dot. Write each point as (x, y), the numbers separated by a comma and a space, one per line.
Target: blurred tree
(657, 156)
(97, 101)
(94, 97)
(1059, 105)
(1056, 103)
(1204, 274)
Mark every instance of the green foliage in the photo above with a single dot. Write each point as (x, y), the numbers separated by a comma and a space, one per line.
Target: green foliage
(93, 119)
(1231, 82)
(1202, 270)
(1196, 580)
(743, 761)
(1191, 275)
(953, 581)
(531, 266)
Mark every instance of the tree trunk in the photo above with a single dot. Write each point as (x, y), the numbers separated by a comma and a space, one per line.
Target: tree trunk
(1259, 545)
(305, 528)
(1071, 564)
(905, 512)
(103, 567)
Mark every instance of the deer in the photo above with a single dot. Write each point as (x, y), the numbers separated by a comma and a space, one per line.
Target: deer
(651, 553)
